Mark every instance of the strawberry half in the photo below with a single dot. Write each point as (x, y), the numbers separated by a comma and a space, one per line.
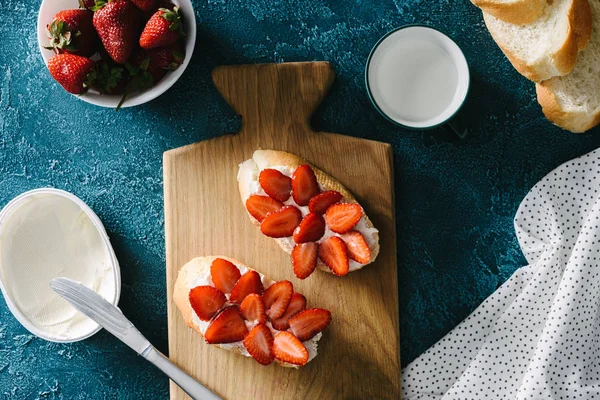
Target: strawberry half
(287, 348)
(311, 229)
(297, 304)
(253, 309)
(260, 206)
(227, 327)
(343, 217)
(334, 253)
(277, 298)
(224, 274)
(281, 223)
(321, 202)
(304, 185)
(306, 324)
(71, 72)
(358, 249)
(277, 185)
(304, 259)
(249, 283)
(259, 343)
(206, 301)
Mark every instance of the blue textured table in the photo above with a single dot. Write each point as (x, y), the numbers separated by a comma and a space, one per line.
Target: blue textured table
(455, 200)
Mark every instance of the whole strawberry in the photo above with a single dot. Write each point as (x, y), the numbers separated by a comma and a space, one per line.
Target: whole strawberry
(72, 31)
(145, 5)
(88, 4)
(117, 23)
(162, 29)
(71, 71)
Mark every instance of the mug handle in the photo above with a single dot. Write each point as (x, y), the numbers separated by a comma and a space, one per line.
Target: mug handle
(456, 127)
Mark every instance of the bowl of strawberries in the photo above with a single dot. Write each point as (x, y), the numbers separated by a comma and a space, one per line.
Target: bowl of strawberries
(116, 53)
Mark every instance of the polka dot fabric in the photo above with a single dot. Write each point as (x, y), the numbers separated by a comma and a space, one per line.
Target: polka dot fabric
(537, 336)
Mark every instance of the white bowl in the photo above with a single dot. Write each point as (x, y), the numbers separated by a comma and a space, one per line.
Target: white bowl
(50, 7)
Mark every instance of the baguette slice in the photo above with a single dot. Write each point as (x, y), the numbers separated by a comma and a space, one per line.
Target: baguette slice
(517, 12)
(197, 273)
(573, 101)
(549, 46)
(286, 162)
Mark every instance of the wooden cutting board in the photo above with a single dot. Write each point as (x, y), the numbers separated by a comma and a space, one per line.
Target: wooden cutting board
(359, 354)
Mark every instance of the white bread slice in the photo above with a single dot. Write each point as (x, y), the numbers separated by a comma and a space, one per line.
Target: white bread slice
(196, 273)
(517, 12)
(547, 47)
(573, 101)
(287, 163)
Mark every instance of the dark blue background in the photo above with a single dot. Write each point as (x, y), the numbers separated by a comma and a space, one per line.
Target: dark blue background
(455, 200)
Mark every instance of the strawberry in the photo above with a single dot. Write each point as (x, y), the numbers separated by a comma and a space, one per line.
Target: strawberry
(275, 184)
(304, 259)
(287, 348)
(334, 253)
(72, 31)
(145, 72)
(259, 343)
(321, 202)
(168, 58)
(311, 229)
(71, 72)
(260, 206)
(117, 23)
(162, 29)
(297, 304)
(227, 327)
(358, 249)
(277, 298)
(281, 223)
(206, 301)
(304, 185)
(87, 4)
(253, 309)
(343, 217)
(145, 5)
(249, 283)
(306, 324)
(224, 274)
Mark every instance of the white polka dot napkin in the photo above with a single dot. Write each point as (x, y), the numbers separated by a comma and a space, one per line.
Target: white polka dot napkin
(537, 336)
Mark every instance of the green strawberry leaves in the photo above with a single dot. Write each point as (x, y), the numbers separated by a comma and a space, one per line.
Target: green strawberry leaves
(61, 37)
(174, 17)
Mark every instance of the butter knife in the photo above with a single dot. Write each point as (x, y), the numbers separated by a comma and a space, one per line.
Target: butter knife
(112, 319)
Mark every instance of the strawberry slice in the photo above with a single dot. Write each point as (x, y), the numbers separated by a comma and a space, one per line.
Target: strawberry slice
(287, 348)
(275, 184)
(321, 202)
(306, 324)
(334, 253)
(206, 301)
(260, 206)
(259, 343)
(311, 229)
(304, 185)
(304, 259)
(249, 283)
(253, 309)
(358, 249)
(281, 223)
(297, 304)
(227, 327)
(224, 274)
(343, 217)
(277, 298)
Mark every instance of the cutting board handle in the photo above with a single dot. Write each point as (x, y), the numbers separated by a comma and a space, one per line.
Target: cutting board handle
(283, 94)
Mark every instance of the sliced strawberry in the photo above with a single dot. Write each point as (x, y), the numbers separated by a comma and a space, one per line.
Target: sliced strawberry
(253, 309)
(321, 202)
(260, 206)
(304, 259)
(306, 324)
(287, 348)
(227, 327)
(224, 274)
(334, 253)
(304, 185)
(277, 298)
(275, 184)
(343, 217)
(206, 301)
(249, 283)
(358, 249)
(297, 304)
(311, 229)
(281, 223)
(259, 343)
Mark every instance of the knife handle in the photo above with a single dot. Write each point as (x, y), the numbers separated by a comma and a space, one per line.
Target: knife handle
(189, 385)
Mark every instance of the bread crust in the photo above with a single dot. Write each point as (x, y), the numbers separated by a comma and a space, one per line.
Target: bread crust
(574, 121)
(519, 12)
